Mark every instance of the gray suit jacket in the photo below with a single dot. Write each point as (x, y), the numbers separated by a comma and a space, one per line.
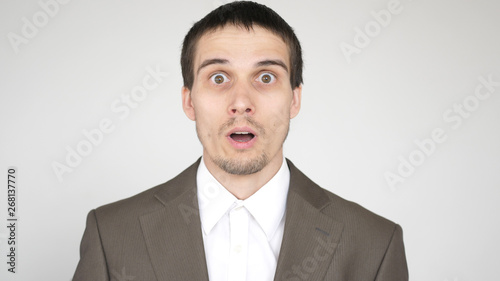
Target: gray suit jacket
(156, 235)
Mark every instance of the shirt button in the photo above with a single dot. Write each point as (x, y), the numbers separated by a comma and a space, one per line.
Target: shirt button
(237, 249)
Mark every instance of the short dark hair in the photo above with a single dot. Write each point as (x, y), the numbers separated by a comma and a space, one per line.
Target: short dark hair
(244, 14)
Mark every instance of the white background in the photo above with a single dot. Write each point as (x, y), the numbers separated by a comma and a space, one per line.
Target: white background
(358, 120)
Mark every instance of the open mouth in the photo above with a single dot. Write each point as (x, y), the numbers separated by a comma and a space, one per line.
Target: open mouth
(242, 136)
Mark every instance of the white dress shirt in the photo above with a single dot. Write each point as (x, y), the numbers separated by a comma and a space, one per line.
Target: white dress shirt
(242, 238)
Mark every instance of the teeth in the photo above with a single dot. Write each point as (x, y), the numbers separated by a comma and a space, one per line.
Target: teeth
(241, 133)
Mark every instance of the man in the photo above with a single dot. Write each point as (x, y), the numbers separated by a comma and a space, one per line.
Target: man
(242, 211)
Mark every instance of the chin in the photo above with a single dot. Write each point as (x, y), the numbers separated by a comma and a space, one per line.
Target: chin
(240, 166)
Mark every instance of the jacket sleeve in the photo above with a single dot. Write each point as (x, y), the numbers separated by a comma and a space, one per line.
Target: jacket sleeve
(92, 265)
(393, 266)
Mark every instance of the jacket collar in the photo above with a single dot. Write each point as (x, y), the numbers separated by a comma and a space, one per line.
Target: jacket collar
(173, 233)
(310, 237)
(175, 243)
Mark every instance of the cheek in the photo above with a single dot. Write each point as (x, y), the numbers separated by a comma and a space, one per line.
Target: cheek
(209, 103)
(277, 122)
(207, 121)
(279, 115)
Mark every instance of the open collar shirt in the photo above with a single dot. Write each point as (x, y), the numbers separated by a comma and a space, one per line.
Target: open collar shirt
(242, 238)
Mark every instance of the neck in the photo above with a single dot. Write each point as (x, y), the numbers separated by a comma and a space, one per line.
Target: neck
(244, 186)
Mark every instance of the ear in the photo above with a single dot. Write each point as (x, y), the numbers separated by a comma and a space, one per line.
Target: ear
(296, 100)
(187, 104)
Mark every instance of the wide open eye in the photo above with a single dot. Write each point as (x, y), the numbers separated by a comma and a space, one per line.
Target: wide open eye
(219, 78)
(266, 78)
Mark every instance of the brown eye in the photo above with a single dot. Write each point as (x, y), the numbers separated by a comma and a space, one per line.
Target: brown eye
(266, 78)
(219, 78)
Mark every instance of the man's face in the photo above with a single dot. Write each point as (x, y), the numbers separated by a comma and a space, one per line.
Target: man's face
(241, 98)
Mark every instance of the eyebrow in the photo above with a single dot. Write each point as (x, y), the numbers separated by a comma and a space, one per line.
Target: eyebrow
(259, 64)
(273, 62)
(211, 61)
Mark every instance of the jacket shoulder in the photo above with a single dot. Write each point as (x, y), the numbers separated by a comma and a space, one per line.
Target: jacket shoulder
(151, 199)
(355, 217)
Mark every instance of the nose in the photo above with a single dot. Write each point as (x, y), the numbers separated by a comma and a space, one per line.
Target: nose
(241, 100)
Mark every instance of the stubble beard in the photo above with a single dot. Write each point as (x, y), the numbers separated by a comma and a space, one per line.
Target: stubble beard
(240, 166)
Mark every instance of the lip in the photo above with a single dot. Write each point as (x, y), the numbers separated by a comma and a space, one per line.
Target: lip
(241, 129)
(241, 145)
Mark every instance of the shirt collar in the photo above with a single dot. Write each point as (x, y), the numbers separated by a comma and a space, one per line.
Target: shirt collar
(214, 200)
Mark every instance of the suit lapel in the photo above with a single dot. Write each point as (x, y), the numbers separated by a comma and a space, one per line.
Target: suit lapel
(175, 242)
(173, 233)
(310, 237)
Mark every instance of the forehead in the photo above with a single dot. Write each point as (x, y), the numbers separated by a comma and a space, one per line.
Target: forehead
(239, 45)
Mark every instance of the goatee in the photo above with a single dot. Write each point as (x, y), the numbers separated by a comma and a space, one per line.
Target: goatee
(242, 167)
